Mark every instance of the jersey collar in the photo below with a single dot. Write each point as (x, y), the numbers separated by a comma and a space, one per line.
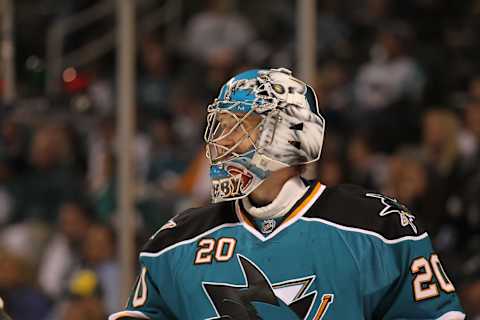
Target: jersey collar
(314, 191)
(292, 190)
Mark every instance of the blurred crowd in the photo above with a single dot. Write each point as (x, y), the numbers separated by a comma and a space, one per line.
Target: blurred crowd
(398, 82)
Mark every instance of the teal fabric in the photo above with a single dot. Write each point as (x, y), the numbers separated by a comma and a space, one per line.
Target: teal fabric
(260, 224)
(368, 277)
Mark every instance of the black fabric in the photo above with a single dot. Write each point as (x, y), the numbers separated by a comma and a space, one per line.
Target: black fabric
(348, 205)
(192, 223)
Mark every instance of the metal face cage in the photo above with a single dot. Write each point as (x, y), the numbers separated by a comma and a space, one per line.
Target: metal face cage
(227, 132)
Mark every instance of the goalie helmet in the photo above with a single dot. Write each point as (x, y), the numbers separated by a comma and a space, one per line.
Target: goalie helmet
(261, 121)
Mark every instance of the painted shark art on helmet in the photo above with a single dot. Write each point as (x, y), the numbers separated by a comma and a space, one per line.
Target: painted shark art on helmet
(261, 121)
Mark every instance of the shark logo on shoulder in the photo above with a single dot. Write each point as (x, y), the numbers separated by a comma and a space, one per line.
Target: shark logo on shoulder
(394, 206)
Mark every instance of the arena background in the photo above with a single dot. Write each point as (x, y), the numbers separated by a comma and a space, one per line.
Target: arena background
(102, 118)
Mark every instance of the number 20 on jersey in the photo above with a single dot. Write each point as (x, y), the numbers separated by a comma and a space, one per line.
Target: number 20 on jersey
(220, 250)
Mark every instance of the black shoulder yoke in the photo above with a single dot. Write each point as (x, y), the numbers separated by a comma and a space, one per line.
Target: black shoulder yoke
(353, 206)
(189, 224)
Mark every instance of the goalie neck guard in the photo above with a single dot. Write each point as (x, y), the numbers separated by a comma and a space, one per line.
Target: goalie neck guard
(261, 121)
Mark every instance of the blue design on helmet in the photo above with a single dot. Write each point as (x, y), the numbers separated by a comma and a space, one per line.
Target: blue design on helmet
(288, 130)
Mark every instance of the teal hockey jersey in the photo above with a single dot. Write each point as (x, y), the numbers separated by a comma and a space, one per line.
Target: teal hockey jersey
(340, 253)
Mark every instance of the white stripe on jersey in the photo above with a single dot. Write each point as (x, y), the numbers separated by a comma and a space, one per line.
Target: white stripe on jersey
(131, 314)
(156, 254)
(452, 315)
(371, 233)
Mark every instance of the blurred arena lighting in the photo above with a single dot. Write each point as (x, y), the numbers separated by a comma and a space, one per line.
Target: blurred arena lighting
(74, 80)
(33, 63)
(81, 103)
(69, 74)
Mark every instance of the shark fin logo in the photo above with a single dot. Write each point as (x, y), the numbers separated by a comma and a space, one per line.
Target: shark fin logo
(394, 206)
(258, 298)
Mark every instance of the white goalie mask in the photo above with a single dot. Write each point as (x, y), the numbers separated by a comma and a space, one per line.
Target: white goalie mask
(261, 121)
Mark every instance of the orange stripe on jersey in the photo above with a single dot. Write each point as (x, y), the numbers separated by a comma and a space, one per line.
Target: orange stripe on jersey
(304, 203)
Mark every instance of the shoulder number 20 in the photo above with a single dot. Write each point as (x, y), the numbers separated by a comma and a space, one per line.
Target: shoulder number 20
(423, 287)
(221, 249)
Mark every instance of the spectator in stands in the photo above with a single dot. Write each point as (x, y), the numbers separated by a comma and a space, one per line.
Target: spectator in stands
(365, 167)
(14, 143)
(83, 300)
(6, 196)
(370, 14)
(101, 89)
(63, 251)
(443, 160)
(98, 251)
(469, 295)
(102, 150)
(333, 87)
(17, 288)
(407, 179)
(469, 196)
(165, 164)
(474, 87)
(333, 32)
(51, 177)
(440, 140)
(389, 87)
(13, 148)
(472, 127)
(100, 155)
(469, 136)
(216, 35)
(188, 107)
(83, 308)
(392, 75)
(154, 78)
(194, 181)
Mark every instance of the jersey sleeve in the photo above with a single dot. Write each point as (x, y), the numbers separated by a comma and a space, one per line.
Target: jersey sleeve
(152, 294)
(156, 294)
(419, 286)
(400, 275)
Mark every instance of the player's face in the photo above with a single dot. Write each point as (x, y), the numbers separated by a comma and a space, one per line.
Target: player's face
(236, 134)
